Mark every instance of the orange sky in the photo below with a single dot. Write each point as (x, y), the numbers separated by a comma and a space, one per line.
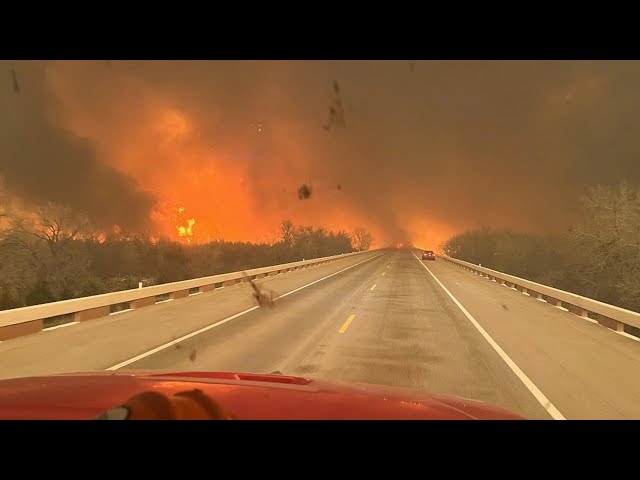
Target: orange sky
(240, 189)
(424, 153)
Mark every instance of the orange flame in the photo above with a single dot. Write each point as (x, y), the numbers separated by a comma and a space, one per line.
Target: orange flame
(185, 231)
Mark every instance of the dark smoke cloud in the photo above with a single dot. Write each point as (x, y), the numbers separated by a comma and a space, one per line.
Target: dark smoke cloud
(42, 162)
(463, 144)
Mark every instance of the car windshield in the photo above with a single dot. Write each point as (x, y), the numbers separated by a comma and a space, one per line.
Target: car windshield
(266, 217)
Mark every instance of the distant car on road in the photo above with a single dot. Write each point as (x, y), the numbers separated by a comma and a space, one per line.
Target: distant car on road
(428, 255)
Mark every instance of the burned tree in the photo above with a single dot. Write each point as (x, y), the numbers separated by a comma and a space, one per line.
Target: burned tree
(362, 239)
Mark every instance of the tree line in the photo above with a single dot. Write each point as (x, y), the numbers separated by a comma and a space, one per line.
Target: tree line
(53, 254)
(598, 257)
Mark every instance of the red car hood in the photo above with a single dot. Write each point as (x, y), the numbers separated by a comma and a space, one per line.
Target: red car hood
(248, 396)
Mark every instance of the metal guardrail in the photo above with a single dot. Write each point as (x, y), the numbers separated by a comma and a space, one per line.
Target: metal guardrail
(610, 316)
(26, 320)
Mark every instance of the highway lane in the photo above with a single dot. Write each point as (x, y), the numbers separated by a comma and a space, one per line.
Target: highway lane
(103, 342)
(405, 332)
(377, 318)
(586, 370)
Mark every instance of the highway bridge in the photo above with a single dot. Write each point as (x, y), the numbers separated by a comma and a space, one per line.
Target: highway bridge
(383, 317)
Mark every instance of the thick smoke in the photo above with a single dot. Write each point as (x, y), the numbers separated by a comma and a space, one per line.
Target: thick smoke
(42, 162)
(420, 149)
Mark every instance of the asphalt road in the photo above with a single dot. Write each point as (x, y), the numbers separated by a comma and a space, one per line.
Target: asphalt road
(380, 318)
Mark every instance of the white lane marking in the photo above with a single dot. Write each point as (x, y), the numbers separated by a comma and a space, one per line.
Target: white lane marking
(228, 319)
(121, 311)
(68, 324)
(328, 276)
(163, 301)
(192, 294)
(544, 401)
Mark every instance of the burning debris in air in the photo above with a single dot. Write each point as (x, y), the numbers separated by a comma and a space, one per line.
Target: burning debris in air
(264, 297)
(16, 86)
(336, 110)
(257, 127)
(194, 351)
(304, 192)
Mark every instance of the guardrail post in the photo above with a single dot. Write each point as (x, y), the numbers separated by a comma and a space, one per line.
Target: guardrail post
(581, 312)
(142, 302)
(92, 313)
(20, 329)
(610, 323)
(554, 301)
(180, 294)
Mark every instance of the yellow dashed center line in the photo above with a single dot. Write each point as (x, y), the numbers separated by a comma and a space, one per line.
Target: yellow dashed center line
(374, 286)
(346, 324)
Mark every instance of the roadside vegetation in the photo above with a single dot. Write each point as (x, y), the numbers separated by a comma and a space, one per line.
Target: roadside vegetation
(598, 257)
(54, 254)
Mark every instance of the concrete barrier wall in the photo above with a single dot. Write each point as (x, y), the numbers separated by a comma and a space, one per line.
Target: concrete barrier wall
(608, 315)
(27, 320)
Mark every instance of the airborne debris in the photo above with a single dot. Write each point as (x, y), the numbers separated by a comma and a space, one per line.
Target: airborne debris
(339, 187)
(263, 297)
(304, 192)
(16, 86)
(336, 111)
(192, 356)
(256, 126)
(505, 307)
(412, 67)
